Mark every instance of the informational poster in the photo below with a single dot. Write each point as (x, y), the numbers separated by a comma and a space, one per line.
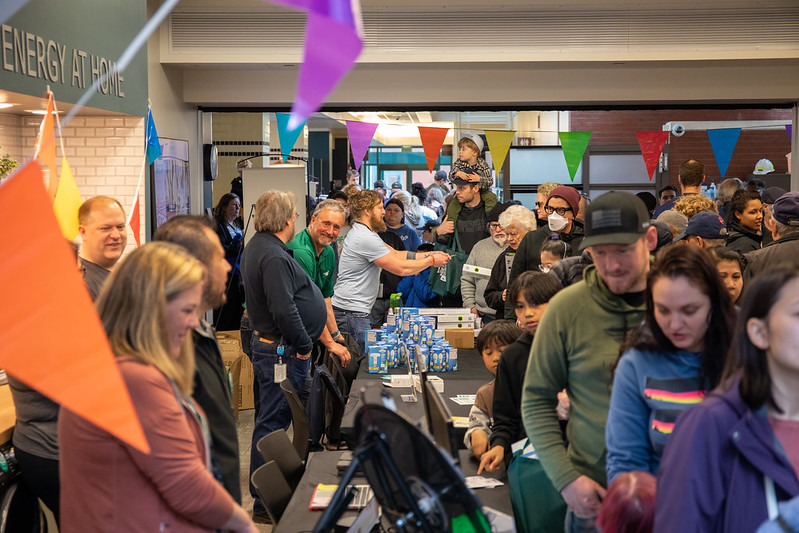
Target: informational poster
(170, 180)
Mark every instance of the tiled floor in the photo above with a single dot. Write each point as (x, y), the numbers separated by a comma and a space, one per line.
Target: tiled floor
(244, 429)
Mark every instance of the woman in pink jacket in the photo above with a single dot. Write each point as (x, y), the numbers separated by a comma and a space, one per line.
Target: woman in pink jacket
(148, 308)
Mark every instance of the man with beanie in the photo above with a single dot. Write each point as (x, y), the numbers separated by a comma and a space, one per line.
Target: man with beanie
(784, 249)
(484, 254)
(575, 347)
(561, 207)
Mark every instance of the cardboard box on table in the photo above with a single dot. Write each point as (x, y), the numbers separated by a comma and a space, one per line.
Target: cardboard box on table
(460, 337)
(230, 346)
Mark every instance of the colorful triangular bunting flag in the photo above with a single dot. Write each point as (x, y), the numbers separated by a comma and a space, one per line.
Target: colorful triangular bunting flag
(135, 220)
(287, 137)
(153, 143)
(432, 141)
(45, 146)
(39, 280)
(789, 129)
(723, 143)
(652, 143)
(361, 135)
(574, 144)
(67, 202)
(499, 142)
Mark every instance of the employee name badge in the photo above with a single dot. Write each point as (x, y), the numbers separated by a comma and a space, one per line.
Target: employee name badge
(280, 366)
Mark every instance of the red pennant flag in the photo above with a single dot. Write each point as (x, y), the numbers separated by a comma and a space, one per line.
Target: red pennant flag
(39, 279)
(651, 143)
(432, 141)
(135, 221)
(45, 146)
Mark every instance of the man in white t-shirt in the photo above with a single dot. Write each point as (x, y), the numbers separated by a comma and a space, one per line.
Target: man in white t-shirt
(362, 257)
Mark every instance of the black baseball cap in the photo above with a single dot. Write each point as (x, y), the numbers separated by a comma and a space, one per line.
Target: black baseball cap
(786, 209)
(475, 179)
(615, 218)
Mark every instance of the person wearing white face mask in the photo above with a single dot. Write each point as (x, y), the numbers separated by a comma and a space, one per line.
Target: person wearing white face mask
(561, 207)
(484, 254)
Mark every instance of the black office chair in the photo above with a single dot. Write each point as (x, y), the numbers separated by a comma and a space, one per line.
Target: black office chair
(273, 490)
(334, 407)
(277, 447)
(302, 431)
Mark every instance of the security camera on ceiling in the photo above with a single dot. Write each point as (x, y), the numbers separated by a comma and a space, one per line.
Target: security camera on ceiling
(677, 129)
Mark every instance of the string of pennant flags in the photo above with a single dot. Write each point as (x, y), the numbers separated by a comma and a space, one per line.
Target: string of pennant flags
(573, 144)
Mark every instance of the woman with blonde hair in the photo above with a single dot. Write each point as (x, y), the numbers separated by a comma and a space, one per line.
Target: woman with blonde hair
(148, 308)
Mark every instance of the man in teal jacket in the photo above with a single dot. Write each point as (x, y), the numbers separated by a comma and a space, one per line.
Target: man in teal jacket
(577, 343)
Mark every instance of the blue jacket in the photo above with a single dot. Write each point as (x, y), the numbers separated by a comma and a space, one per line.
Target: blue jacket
(649, 391)
(416, 292)
(711, 474)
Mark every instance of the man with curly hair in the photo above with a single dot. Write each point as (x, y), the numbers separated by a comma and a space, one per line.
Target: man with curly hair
(691, 205)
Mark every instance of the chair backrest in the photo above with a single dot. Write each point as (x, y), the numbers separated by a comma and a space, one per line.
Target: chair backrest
(273, 490)
(302, 431)
(277, 447)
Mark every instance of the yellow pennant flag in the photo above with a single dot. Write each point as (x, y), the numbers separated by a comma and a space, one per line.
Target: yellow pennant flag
(67, 202)
(498, 144)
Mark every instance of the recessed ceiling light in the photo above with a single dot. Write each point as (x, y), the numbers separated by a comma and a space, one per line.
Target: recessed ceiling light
(40, 111)
(6, 106)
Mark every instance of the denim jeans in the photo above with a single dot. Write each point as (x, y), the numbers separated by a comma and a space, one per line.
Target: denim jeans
(354, 323)
(575, 524)
(274, 412)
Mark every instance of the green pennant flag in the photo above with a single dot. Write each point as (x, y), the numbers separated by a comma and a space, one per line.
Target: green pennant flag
(574, 144)
(499, 142)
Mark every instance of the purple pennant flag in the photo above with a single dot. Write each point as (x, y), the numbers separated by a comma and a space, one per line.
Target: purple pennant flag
(360, 134)
(333, 43)
(789, 129)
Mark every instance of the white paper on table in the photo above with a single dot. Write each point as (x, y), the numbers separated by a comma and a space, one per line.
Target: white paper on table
(480, 482)
(464, 399)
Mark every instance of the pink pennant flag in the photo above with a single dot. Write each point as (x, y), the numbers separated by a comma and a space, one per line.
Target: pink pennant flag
(361, 135)
(333, 42)
(652, 143)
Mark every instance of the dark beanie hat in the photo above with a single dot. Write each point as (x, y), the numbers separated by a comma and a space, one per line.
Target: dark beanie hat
(397, 202)
(569, 194)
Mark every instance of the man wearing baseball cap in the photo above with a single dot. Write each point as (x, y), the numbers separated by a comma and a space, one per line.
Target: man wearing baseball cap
(576, 346)
(705, 229)
(439, 182)
(784, 249)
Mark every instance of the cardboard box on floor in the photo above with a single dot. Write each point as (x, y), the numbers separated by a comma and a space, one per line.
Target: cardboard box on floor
(460, 338)
(230, 346)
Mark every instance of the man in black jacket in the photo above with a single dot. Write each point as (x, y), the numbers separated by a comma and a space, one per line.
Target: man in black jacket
(211, 384)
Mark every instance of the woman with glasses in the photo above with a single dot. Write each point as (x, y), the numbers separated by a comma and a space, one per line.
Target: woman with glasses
(562, 206)
(517, 221)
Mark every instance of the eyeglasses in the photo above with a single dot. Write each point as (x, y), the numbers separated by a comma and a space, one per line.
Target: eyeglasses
(494, 225)
(539, 204)
(559, 210)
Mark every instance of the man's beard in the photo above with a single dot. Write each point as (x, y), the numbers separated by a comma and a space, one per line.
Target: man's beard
(378, 224)
(501, 241)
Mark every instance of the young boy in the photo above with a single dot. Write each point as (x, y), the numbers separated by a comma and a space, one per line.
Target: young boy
(470, 165)
(493, 338)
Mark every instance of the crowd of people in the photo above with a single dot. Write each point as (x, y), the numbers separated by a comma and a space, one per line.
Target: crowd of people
(644, 355)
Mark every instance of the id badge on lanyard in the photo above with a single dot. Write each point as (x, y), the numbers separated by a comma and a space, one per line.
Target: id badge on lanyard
(280, 366)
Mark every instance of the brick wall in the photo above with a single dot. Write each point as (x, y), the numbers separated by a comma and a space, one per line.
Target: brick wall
(105, 154)
(619, 127)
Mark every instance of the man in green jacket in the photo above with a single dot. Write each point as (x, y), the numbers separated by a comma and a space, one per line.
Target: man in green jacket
(313, 251)
(575, 347)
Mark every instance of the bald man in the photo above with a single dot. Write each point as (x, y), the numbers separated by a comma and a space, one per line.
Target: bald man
(102, 228)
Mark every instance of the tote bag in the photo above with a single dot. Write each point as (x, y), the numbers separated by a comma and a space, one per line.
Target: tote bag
(537, 506)
(446, 279)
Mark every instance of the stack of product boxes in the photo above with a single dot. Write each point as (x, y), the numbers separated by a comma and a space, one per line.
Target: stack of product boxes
(395, 344)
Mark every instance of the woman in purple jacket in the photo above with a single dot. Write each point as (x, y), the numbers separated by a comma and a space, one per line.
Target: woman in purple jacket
(735, 455)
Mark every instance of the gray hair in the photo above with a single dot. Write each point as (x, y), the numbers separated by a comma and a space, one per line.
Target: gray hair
(726, 189)
(412, 210)
(517, 215)
(333, 205)
(785, 230)
(273, 209)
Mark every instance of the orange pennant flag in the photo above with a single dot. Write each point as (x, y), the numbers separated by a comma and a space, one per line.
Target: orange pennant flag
(135, 221)
(39, 279)
(45, 146)
(432, 141)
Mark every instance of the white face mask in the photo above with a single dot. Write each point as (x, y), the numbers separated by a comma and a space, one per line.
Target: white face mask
(557, 222)
(544, 269)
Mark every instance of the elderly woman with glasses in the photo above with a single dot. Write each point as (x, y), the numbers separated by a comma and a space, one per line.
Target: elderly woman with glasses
(562, 206)
(517, 221)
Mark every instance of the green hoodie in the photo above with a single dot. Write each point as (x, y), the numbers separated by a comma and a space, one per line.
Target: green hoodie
(575, 347)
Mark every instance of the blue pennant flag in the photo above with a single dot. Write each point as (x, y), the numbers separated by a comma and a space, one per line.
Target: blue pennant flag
(723, 142)
(287, 137)
(153, 144)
